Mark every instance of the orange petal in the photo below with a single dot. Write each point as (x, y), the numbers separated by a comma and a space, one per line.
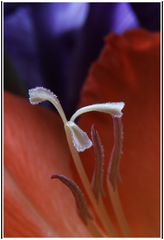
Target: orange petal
(128, 70)
(36, 148)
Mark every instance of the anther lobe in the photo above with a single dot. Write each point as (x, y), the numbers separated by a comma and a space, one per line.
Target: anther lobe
(116, 152)
(97, 180)
(81, 204)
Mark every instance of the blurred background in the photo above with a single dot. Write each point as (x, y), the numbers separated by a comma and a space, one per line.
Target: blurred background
(54, 44)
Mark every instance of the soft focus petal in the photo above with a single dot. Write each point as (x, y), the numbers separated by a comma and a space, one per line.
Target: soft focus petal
(21, 46)
(59, 18)
(21, 217)
(36, 148)
(128, 70)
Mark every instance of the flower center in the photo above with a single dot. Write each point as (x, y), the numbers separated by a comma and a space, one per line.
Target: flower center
(93, 213)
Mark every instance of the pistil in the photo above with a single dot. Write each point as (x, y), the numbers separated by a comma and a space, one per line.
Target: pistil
(79, 141)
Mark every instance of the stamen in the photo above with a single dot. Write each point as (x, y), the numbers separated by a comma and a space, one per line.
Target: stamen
(81, 204)
(113, 175)
(97, 180)
(116, 152)
(99, 207)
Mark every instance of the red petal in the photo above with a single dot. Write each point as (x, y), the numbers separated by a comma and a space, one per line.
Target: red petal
(128, 70)
(36, 148)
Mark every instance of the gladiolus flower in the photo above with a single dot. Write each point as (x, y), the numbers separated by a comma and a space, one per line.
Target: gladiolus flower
(36, 148)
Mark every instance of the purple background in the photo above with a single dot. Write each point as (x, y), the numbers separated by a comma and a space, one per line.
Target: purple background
(54, 44)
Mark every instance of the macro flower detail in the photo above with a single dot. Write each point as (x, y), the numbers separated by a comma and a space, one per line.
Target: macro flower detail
(79, 138)
(79, 141)
(40, 94)
(116, 152)
(98, 175)
(78, 195)
(37, 146)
